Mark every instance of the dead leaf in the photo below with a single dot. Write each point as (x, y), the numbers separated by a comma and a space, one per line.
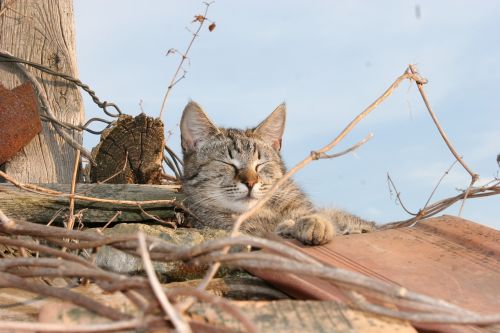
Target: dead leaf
(211, 27)
(199, 18)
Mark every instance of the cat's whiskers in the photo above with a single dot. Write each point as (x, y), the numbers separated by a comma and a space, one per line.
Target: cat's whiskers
(205, 200)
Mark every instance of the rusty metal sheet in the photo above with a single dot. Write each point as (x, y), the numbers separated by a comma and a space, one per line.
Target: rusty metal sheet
(445, 257)
(19, 119)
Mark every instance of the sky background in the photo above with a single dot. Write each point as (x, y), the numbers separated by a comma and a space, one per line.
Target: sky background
(327, 60)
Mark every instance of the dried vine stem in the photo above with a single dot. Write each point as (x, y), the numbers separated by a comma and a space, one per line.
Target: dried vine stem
(398, 195)
(319, 156)
(12, 281)
(436, 207)
(438, 183)
(71, 221)
(474, 176)
(282, 258)
(119, 326)
(175, 79)
(179, 323)
(420, 87)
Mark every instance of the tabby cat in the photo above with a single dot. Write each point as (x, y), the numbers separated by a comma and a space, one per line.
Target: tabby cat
(227, 170)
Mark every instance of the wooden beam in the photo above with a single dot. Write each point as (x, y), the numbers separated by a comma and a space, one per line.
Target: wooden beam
(40, 208)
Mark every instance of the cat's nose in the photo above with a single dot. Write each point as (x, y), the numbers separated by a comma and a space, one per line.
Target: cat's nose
(249, 183)
(249, 178)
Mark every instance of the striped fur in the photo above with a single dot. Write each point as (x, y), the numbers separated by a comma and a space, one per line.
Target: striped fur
(227, 170)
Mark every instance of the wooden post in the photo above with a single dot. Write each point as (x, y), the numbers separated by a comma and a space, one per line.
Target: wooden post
(43, 32)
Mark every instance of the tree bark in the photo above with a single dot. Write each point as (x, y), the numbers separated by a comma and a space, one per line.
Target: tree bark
(21, 204)
(43, 32)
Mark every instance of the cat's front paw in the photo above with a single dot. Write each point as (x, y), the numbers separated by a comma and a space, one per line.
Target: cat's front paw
(313, 229)
(286, 228)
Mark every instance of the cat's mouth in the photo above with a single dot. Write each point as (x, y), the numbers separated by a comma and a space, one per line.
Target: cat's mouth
(240, 205)
(248, 198)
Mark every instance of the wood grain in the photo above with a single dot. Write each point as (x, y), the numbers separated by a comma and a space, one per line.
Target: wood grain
(34, 207)
(43, 32)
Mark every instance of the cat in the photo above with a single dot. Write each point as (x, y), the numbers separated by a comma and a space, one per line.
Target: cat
(227, 170)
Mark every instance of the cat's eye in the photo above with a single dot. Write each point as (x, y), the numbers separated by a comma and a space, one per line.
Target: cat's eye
(231, 164)
(230, 153)
(259, 165)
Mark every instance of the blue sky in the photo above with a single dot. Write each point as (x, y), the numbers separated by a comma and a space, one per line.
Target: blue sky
(327, 60)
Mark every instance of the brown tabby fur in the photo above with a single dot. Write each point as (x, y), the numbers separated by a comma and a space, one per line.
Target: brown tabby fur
(227, 170)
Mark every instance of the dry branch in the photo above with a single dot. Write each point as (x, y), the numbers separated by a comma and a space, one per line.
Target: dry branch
(179, 322)
(364, 291)
(282, 258)
(474, 176)
(175, 78)
(420, 86)
(119, 326)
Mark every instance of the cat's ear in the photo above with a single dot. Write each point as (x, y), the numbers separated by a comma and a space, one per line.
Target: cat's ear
(272, 128)
(196, 127)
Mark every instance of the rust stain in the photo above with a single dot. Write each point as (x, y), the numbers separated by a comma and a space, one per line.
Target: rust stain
(19, 119)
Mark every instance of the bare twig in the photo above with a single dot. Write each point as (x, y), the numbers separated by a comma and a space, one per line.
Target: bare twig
(466, 195)
(54, 217)
(118, 213)
(398, 194)
(71, 220)
(179, 323)
(119, 326)
(175, 79)
(157, 219)
(318, 156)
(12, 281)
(474, 176)
(428, 317)
(436, 207)
(438, 183)
(282, 258)
(420, 86)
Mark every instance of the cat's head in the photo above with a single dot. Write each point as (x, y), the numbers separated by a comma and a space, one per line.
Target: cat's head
(230, 169)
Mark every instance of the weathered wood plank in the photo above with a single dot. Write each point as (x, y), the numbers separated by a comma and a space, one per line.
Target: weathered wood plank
(34, 207)
(269, 316)
(284, 316)
(43, 32)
